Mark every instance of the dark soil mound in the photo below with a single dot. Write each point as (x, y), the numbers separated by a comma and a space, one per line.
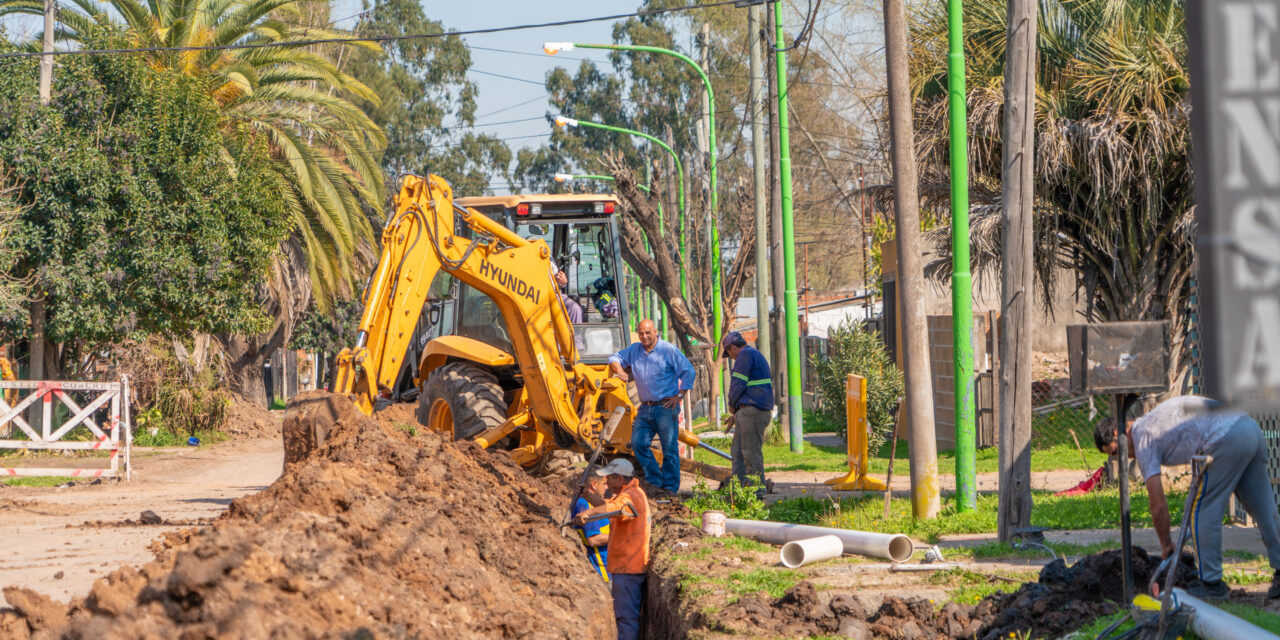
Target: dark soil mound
(1066, 598)
(373, 535)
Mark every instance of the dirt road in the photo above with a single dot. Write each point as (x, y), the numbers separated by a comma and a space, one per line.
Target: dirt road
(58, 541)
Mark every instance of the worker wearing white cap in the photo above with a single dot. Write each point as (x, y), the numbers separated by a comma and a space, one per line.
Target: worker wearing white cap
(628, 543)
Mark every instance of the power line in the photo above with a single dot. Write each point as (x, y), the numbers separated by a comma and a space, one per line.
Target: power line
(518, 104)
(499, 75)
(372, 38)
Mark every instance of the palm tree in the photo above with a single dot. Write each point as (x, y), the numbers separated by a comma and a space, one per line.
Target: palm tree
(324, 146)
(1113, 178)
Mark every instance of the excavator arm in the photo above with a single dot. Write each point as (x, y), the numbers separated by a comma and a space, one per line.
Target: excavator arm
(420, 240)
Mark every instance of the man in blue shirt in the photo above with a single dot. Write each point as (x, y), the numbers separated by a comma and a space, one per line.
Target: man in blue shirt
(594, 534)
(751, 400)
(662, 375)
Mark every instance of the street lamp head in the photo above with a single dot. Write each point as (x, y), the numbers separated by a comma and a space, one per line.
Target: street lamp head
(552, 48)
(563, 177)
(562, 121)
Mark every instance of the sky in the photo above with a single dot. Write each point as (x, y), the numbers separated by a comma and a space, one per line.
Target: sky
(521, 95)
(509, 67)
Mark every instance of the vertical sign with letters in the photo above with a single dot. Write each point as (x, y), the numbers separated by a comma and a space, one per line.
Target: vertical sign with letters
(1235, 84)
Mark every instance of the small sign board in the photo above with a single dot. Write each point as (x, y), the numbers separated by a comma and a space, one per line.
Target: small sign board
(1119, 357)
(1235, 123)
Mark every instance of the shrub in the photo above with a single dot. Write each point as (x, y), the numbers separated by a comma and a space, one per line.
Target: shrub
(734, 499)
(853, 349)
(173, 391)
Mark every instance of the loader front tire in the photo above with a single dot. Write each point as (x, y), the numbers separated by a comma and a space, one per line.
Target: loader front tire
(461, 399)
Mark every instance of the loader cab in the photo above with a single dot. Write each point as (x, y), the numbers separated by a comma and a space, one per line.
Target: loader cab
(582, 233)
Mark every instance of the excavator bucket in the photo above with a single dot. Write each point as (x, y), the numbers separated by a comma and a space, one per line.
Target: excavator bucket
(307, 421)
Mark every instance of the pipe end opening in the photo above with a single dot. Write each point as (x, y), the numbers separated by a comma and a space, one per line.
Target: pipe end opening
(792, 555)
(901, 548)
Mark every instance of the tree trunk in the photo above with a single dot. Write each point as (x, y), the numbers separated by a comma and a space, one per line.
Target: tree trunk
(35, 416)
(925, 499)
(285, 296)
(1017, 270)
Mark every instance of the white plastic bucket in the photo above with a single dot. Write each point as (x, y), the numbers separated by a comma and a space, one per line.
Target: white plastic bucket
(713, 523)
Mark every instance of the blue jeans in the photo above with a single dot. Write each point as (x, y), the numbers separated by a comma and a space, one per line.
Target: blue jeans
(628, 598)
(651, 419)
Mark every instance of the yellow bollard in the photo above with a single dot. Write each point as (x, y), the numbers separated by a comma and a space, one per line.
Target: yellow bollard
(856, 434)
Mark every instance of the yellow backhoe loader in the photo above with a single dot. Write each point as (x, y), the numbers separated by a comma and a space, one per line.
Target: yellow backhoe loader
(464, 313)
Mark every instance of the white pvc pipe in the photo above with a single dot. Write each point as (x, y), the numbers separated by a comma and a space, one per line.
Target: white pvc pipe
(798, 553)
(1212, 623)
(895, 547)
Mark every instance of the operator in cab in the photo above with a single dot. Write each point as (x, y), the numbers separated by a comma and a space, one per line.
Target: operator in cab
(1170, 435)
(571, 306)
(663, 376)
(628, 543)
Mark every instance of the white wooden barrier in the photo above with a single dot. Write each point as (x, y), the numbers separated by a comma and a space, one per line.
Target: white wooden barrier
(106, 437)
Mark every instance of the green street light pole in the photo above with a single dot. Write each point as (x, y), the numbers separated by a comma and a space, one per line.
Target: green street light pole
(961, 281)
(717, 312)
(794, 409)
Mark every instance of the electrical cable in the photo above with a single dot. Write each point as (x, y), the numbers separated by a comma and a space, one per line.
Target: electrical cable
(518, 104)
(499, 75)
(373, 38)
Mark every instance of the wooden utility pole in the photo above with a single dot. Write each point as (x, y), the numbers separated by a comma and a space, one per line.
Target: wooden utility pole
(758, 160)
(46, 61)
(779, 279)
(1016, 264)
(925, 502)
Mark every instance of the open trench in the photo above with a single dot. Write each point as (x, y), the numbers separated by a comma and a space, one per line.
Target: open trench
(1062, 599)
(688, 599)
(384, 532)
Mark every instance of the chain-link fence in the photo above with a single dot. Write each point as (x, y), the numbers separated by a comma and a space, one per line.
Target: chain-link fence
(1062, 426)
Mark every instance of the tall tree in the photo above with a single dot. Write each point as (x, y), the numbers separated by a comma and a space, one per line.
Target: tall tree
(295, 96)
(426, 105)
(139, 213)
(1112, 178)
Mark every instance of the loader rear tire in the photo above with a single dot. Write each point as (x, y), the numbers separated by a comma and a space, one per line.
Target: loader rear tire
(461, 399)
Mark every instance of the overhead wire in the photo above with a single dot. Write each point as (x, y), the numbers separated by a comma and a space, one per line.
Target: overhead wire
(371, 37)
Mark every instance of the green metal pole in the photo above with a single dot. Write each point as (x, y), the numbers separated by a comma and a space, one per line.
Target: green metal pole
(717, 312)
(794, 409)
(961, 282)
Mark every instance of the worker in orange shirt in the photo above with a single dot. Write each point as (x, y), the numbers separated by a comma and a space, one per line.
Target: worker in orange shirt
(628, 543)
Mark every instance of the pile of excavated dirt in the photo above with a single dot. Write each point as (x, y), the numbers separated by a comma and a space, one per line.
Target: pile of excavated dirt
(371, 534)
(247, 419)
